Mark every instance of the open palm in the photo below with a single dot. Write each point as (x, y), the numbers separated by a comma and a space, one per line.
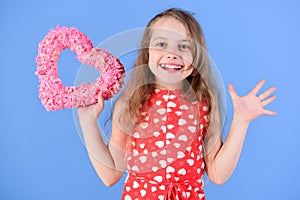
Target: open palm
(252, 105)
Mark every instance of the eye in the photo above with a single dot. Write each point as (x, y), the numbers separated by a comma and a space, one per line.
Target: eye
(184, 47)
(161, 44)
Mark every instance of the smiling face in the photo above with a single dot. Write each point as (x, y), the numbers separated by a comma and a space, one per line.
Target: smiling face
(170, 54)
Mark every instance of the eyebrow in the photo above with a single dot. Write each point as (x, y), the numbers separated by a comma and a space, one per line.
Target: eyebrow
(164, 38)
(159, 38)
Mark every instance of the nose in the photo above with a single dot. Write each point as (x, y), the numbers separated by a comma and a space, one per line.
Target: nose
(172, 52)
(172, 56)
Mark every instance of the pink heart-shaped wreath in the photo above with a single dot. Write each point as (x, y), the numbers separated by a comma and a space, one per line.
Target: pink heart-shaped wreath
(53, 94)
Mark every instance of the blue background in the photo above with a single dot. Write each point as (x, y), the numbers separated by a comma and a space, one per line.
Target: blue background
(42, 156)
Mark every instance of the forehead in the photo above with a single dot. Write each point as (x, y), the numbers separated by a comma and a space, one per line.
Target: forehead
(169, 27)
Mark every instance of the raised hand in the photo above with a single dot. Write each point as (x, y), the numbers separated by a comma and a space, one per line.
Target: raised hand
(252, 105)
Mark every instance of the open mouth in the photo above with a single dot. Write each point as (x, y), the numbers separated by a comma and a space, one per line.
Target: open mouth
(171, 67)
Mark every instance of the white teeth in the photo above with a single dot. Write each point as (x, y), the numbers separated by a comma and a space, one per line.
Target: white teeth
(171, 66)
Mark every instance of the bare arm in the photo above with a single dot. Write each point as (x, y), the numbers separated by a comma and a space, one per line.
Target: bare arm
(222, 160)
(108, 160)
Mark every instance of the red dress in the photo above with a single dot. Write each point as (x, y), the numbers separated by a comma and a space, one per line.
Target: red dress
(165, 159)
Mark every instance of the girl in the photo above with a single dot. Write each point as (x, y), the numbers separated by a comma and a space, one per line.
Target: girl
(166, 125)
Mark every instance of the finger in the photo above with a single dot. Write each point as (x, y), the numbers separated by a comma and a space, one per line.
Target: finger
(100, 105)
(269, 112)
(269, 100)
(258, 87)
(100, 100)
(232, 91)
(100, 97)
(266, 93)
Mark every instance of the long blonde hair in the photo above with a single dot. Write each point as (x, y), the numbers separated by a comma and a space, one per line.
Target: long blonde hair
(201, 82)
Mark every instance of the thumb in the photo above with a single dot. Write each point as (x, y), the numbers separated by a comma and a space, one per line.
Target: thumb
(98, 107)
(100, 97)
(232, 91)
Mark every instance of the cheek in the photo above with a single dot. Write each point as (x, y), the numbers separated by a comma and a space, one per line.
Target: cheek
(188, 59)
(153, 56)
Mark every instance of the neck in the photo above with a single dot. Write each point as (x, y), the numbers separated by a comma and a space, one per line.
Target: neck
(176, 86)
